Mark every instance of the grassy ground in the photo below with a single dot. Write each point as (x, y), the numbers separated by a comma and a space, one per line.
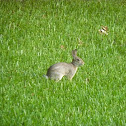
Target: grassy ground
(37, 34)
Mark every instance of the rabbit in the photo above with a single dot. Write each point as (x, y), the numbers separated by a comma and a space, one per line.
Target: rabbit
(58, 70)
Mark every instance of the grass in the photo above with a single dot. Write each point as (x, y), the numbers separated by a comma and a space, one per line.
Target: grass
(31, 36)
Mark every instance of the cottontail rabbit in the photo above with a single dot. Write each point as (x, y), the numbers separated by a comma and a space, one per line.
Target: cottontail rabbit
(58, 70)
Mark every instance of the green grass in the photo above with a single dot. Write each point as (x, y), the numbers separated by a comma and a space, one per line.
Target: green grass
(31, 35)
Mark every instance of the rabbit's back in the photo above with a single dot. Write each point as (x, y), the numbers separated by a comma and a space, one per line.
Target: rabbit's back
(58, 70)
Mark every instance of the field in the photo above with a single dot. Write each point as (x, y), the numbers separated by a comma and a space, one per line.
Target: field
(35, 34)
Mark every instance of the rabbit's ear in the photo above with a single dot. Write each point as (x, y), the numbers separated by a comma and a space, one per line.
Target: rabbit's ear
(74, 53)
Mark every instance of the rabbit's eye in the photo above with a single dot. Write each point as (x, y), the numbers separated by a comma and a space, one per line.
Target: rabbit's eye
(78, 59)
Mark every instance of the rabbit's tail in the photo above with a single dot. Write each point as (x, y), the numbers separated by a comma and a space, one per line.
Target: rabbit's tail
(45, 76)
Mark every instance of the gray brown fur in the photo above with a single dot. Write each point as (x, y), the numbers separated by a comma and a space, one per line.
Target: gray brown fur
(58, 70)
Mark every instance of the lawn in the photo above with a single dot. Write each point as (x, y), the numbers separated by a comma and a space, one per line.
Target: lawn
(35, 34)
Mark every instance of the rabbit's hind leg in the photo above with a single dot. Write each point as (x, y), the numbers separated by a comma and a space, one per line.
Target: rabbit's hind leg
(57, 77)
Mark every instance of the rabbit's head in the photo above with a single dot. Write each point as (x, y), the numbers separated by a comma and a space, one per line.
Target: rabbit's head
(76, 60)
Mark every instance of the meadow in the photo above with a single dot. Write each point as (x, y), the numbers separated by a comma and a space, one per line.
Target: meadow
(35, 34)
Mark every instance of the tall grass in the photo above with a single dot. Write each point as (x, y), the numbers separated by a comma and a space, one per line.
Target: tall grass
(37, 34)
